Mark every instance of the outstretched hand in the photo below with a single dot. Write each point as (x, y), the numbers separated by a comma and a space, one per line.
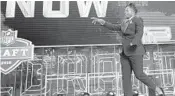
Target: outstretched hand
(97, 20)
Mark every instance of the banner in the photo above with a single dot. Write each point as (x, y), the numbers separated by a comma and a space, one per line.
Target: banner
(69, 23)
(14, 51)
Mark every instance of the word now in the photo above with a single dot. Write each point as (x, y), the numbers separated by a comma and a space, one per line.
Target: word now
(28, 7)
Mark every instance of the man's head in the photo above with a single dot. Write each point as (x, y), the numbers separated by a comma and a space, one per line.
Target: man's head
(130, 10)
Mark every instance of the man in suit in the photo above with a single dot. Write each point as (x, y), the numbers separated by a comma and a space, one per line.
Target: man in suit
(132, 49)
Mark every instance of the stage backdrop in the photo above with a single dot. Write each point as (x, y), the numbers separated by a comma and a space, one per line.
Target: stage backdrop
(73, 25)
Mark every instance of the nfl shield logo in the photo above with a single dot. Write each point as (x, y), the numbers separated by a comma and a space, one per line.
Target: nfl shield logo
(14, 51)
(8, 37)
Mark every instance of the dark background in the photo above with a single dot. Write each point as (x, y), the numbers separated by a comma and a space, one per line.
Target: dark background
(77, 30)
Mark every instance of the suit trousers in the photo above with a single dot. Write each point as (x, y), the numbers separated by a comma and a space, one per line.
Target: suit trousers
(133, 63)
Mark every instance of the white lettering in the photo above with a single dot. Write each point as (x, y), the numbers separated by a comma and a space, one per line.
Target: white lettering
(24, 52)
(62, 13)
(6, 53)
(100, 7)
(6, 62)
(156, 34)
(27, 8)
(14, 52)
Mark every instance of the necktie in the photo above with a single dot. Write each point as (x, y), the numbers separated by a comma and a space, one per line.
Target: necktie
(125, 24)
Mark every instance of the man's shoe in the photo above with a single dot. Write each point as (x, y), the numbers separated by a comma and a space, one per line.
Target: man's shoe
(162, 92)
(135, 93)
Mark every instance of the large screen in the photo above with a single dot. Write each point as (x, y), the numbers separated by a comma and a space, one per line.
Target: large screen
(69, 23)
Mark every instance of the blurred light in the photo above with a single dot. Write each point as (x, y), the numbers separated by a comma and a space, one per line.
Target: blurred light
(135, 92)
(110, 93)
(157, 76)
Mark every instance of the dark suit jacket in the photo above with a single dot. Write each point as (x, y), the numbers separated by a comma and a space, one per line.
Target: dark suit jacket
(132, 32)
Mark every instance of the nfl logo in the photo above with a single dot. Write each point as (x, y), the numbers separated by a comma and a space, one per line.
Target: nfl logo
(8, 37)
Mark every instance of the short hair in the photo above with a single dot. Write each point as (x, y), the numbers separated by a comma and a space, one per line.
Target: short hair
(132, 5)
